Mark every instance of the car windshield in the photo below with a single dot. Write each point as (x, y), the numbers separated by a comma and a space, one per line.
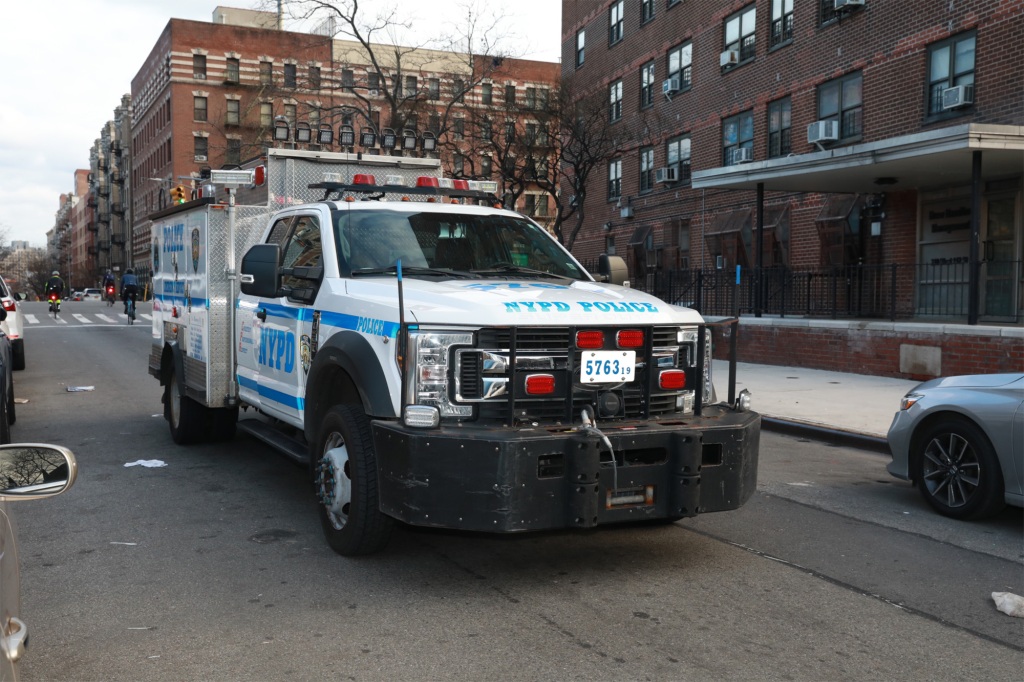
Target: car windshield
(433, 244)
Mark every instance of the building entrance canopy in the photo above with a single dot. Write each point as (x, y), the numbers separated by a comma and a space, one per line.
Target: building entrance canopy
(933, 158)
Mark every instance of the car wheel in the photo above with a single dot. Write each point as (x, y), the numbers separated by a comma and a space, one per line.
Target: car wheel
(18, 354)
(184, 415)
(345, 482)
(957, 470)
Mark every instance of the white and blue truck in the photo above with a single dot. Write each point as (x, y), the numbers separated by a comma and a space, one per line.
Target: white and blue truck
(434, 359)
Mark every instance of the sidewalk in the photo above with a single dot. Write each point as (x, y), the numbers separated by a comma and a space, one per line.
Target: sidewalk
(817, 400)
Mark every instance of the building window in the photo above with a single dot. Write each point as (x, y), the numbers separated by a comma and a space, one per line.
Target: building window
(609, 245)
(231, 70)
(779, 142)
(289, 114)
(314, 118)
(233, 155)
(647, 84)
(782, 22)
(348, 78)
(646, 11)
(201, 147)
(581, 43)
(458, 89)
(486, 129)
(510, 131)
(458, 165)
(615, 21)
(510, 94)
(232, 116)
(198, 108)
(459, 128)
(289, 75)
(739, 34)
(646, 169)
(314, 77)
(412, 122)
(615, 101)
(266, 114)
(485, 166)
(411, 86)
(486, 93)
(840, 100)
(199, 66)
(615, 179)
(434, 88)
(434, 122)
(737, 133)
(535, 205)
(680, 64)
(677, 154)
(531, 98)
(950, 63)
(372, 82)
(266, 73)
(827, 10)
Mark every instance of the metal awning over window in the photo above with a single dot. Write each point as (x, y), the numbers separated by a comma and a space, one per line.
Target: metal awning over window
(730, 221)
(837, 207)
(640, 235)
(838, 223)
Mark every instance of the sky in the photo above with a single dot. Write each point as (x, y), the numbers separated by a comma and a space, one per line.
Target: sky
(68, 62)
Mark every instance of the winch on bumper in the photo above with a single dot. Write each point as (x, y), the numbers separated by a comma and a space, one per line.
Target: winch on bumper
(504, 481)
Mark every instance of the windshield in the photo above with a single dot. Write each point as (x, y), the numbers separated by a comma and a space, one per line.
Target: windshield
(448, 244)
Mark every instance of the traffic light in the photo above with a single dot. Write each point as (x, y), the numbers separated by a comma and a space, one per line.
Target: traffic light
(179, 195)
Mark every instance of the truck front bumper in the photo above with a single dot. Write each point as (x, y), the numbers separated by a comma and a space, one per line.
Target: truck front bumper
(505, 480)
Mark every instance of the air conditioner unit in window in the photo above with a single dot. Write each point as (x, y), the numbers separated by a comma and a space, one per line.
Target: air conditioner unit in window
(742, 155)
(667, 174)
(958, 96)
(373, 92)
(823, 131)
(199, 76)
(841, 5)
(670, 85)
(730, 58)
(200, 157)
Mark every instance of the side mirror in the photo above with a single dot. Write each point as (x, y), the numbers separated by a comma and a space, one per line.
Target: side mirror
(30, 471)
(260, 271)
(612, 269)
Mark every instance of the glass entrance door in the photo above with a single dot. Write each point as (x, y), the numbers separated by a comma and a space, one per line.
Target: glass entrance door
(1001, 270)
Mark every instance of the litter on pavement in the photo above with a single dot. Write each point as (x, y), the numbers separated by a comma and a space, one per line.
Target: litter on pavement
(1009, 603)
(77, 389)
(150, 463)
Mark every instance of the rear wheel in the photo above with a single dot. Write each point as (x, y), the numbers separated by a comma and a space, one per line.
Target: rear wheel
(18, 354)
(345, 482)
(958, 471)
(185, 416)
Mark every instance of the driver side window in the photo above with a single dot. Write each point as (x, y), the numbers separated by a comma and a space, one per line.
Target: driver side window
(303, 250)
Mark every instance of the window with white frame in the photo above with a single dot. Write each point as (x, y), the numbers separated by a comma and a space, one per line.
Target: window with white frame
(231, 70)
(615, 179)
(266, 73)
(434, 88)
(199, 109)
(266, 114)
(615, 101)
(232, 112)
(199, 66)
(647, 84)
(737, 133)
(201, 147)
(646, 11)
(581, 43)
(616, 14)
(739, 33)
(486, 93)
(680, 64)
(677, 154)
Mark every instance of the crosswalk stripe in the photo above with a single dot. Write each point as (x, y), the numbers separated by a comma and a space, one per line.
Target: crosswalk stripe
(61, 321)
(81, 318)
(105, 318)
(31, 319)
(148, 317)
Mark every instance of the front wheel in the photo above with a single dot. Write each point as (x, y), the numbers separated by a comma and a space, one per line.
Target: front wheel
(345, 482)
(957, 470)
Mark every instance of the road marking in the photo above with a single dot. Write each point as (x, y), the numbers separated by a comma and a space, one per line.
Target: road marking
(148, 317)
(31, 319)
(105, 318)
(81, 318)
(60, 321)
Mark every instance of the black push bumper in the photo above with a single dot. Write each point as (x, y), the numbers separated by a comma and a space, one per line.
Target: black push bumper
(534, 479)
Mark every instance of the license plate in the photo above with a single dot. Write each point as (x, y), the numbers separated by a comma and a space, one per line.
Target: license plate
(607, 366)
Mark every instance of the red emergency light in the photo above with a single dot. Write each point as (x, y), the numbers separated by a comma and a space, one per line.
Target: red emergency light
(363, 179)
(427, 181)
(540, 384)
(590, 339)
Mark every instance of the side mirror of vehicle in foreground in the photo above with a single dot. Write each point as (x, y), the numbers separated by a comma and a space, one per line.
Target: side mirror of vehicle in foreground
(31, 471)
(260, 276)
(612, 269)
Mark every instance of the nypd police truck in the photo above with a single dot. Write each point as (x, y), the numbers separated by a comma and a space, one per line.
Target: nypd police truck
(432, 358)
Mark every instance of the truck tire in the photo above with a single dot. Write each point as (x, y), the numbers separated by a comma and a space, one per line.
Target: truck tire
(185, 416)
(344, 469)
(18, 355)
(223, 421)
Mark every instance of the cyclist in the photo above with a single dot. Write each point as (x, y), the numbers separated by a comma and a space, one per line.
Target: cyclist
(109, 283)
(129, 287)
(55, 283)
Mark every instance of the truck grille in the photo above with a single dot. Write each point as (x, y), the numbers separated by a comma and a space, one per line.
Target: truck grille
(492, 375)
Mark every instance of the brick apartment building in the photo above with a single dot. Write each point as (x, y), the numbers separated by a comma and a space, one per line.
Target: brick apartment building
(212, 94)
(874, 150)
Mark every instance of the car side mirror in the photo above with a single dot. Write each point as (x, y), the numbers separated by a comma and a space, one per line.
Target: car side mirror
(261, 272)
(30, 471)
(612, 269)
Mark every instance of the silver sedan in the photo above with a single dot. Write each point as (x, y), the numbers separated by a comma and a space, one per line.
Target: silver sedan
(961, 441)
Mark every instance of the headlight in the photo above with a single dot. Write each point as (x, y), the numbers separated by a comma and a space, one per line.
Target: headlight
(909, 399)
(428, 383)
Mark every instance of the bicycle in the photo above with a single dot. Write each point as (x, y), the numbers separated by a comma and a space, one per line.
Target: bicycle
(130, 305)
(54, 305)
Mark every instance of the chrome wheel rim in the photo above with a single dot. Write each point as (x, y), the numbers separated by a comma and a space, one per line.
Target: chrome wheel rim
(951, 470)
(334, 480)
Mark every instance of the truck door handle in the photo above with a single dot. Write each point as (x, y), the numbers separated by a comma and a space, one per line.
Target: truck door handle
(262, 314)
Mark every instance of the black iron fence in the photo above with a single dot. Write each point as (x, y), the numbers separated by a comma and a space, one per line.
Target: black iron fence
(938, 290)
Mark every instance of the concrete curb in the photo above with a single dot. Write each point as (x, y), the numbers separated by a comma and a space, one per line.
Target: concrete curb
(833, 435)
